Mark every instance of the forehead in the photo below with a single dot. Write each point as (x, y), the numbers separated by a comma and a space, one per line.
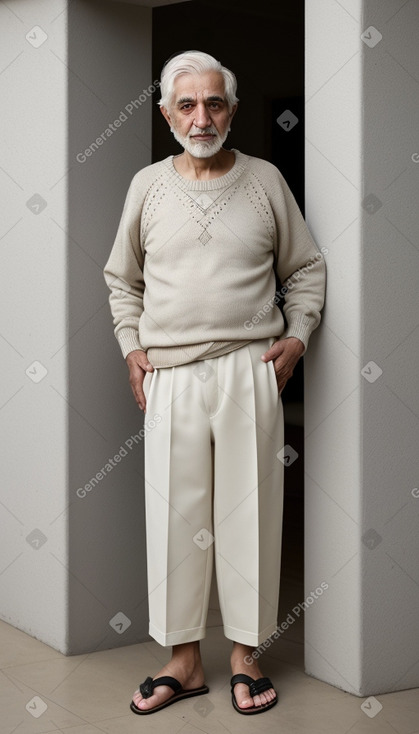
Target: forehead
(198, 86)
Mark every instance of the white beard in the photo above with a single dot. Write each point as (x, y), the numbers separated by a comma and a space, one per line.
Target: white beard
(201, 149)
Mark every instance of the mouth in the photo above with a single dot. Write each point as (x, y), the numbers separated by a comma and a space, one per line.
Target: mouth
(203, 138)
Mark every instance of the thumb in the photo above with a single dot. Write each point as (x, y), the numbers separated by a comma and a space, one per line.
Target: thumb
(267, 356)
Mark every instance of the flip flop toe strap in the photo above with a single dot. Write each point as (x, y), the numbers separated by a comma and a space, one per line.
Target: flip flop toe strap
(147, 688)
(255, 686)
(259, 686)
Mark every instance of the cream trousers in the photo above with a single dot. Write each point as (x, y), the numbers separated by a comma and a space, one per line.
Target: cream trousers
(214, 490)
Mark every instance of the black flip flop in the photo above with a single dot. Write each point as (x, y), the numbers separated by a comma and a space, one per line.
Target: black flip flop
(255, 688)
(147, 689)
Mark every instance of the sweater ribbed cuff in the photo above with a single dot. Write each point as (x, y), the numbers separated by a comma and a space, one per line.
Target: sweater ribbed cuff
(128, 340)
(300, 327)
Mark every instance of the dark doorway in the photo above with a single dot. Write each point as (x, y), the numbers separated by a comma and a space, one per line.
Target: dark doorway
(263, 43)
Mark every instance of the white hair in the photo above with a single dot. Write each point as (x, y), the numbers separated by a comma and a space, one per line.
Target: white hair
(194, 62)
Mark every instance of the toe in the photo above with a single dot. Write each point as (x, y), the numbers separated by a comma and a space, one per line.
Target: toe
(245, 703)
(147, 703)
(241, 692)
(264, 698)
(163, 693)
(267, 696)
(137, 697)
(244, 700)
(140, 702)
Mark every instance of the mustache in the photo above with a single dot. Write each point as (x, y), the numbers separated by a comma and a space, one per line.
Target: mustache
(206, 131)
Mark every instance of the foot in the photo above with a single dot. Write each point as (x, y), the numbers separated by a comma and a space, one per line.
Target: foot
(185, 666)
(241, 690)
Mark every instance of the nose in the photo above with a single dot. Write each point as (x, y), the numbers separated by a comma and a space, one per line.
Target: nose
(202, 118)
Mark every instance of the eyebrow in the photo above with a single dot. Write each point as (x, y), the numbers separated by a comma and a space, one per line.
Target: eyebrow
(212, 98)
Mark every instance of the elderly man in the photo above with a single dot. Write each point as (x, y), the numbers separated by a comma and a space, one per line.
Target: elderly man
(193, 298)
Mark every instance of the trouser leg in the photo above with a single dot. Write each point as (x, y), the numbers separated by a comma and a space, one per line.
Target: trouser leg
(178, 485)
(248, 493)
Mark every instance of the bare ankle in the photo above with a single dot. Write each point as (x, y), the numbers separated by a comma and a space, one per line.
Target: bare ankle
(239, 648)
(187, 651)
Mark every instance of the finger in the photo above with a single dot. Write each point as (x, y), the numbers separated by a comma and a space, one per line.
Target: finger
(283, 371)
(140, 399)
(136, 383)
(138, 359)
(272, 353)
(289, 349)
(138, 396)
(283, 375)
(142, 365)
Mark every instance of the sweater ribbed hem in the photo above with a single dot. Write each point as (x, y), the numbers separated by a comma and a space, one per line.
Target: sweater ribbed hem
(301, 328)
(128, 340)
(161, 357)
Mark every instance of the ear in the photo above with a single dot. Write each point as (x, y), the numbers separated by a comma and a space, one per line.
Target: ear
(166, 115)
(233, 111)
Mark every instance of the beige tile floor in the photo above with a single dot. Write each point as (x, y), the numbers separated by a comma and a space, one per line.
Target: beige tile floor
(86, 694)
(90, 693)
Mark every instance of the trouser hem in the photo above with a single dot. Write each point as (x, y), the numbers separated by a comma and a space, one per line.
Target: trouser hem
(177, 638)
(249, 638)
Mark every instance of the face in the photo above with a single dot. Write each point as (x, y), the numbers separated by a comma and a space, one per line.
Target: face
(199, 114)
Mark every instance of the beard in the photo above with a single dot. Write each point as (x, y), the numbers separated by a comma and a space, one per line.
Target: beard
(203, 148)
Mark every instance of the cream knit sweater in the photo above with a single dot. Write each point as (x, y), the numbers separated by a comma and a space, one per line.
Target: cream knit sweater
(192, 269)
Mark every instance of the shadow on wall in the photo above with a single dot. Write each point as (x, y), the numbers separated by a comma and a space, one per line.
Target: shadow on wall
(110, 58)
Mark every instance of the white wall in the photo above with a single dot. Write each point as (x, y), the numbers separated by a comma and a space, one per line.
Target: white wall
(362, 462)
(59, 432)
(33, 416)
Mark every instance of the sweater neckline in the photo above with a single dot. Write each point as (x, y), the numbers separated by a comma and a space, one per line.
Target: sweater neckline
(214, 183)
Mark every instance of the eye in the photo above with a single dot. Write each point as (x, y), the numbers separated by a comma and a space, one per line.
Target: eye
(186, 106)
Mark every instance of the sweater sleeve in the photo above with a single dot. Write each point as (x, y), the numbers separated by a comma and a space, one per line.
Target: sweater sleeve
(299, 264)
(123, 273)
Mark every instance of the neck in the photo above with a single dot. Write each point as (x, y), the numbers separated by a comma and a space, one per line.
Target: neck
(204, 168)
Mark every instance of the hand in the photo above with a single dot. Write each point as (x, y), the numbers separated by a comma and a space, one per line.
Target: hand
(138, 365)
(285, 353)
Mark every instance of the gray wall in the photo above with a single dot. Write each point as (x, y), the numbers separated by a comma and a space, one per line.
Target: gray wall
(109, 54)
(65, 585)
